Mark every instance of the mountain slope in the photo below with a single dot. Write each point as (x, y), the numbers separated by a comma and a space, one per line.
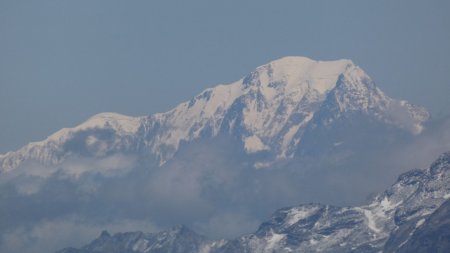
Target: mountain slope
(431, 234)
(406, 216)
(177, 240)
(268, 111)
(324, 228)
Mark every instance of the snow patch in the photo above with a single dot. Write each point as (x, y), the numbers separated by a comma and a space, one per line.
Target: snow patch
(273, 241)
(420, 222)
(289, 136)
(297, 214)
(141, 245)
(262, 165)
(386, 204)
(254, 144)
(371, 221)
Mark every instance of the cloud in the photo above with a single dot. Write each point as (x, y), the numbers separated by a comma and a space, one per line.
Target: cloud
(403, 115)
(31, 176)
(228, 224)
(109, 166)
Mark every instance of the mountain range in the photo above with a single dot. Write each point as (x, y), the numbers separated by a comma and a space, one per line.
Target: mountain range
(279, 109)
(294, 130)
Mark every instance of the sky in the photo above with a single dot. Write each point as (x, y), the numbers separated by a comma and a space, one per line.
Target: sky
(64, 61)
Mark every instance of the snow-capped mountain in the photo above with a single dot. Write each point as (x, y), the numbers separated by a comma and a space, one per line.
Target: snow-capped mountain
(322, 228)
(268, 111)
(389, 223)
(100, 135)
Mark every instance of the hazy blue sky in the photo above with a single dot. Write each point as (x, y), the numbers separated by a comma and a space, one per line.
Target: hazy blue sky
(63, 61)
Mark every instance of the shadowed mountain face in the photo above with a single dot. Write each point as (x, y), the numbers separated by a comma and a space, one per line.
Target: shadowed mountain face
(292, 131)
(431, 234)
(411, 216)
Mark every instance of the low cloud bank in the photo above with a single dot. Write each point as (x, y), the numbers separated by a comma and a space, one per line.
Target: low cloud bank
(214, 189)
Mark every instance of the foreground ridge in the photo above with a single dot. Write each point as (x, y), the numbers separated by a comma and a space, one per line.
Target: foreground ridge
(399, 219)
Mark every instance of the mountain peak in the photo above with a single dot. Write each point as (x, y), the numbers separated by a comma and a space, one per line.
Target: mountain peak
(105, 234)
(294, 72)
(113, 120)
(301, 62)
(122, 124)
(109, 116)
